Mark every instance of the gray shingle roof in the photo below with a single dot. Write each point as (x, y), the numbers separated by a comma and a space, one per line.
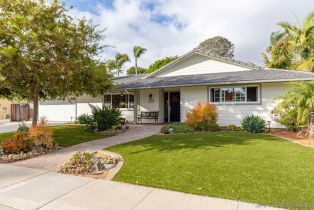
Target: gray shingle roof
(239, 77)
(126, 79)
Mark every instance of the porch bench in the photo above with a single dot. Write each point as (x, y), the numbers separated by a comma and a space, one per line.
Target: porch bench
(148, 115)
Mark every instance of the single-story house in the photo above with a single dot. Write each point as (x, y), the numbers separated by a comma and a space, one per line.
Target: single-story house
(237, 89)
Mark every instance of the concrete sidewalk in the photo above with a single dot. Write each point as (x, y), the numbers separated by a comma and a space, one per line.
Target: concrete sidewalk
(26, 188)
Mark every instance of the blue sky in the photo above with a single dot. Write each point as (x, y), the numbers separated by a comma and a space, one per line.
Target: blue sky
(173, 27)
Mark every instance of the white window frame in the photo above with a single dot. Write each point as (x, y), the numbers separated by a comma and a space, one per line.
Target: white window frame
(235, 102)
(128, 104)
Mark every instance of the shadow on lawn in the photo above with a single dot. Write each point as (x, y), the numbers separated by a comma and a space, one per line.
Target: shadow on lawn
(201, 140)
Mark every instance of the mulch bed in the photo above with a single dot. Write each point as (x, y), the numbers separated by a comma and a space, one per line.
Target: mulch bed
(292, 136)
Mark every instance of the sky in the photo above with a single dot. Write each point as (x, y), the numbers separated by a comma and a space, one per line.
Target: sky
(174, 27)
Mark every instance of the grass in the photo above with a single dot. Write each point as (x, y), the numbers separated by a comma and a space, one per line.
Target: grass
(234, 165)
(67, 135)
(177, 128)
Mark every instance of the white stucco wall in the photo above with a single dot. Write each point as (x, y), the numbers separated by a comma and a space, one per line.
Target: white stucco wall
(155, 105)
(57, 112)
(234, 113)
(190, 96)
(65, 112)
(199, 64)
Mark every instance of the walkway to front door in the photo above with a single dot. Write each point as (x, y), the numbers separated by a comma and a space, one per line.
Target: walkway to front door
(172, 106)
(53, 161)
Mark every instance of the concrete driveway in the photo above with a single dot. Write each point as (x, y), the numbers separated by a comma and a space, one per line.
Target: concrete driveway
(26, 188)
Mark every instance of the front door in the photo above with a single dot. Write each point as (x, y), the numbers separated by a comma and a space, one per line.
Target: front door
(172, 106)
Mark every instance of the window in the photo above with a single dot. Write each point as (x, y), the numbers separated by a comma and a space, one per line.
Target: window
(119, 100)
(244, 94)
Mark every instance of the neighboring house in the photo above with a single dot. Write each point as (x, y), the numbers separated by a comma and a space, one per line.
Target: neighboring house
(237, 89)
(5, 109)
(15, 110)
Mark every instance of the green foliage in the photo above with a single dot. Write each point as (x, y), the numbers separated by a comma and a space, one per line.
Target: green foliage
(116, 66)
(131, 70)
(232, 127)
(176, 128)
(137, 52)
(105, 118)
(203, 117)
(22, 127)
(160, 63)
(296, 105)
(218, 45)
(293, 47)
(254, 124)
(85, 119)
(49, 53)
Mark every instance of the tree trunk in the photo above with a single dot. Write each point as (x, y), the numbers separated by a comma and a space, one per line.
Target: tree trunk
(35, 109)
(135, 66)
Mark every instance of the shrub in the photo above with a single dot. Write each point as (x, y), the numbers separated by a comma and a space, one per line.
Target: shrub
(22, 127)
(287, 115)
(177, 128)
(203, 117)
(19, 142)
(85, 119)
(105, 118)
(254, 124)
(232, 127)
(42, 136)
(80, 163)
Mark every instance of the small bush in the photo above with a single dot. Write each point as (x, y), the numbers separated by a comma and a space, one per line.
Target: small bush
(42, 136)
(203, 117)
(254, 124)
(105, 118)
(177, 128)
(19, 142)
(85, 119)
(22, 127)
(287, 115)
(80, 163)
(232, 127)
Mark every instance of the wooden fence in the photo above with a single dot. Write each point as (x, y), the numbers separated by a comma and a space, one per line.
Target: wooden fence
(21, 112)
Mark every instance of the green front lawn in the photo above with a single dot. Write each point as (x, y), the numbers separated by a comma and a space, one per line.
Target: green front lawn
(235, 165)
(67, 135)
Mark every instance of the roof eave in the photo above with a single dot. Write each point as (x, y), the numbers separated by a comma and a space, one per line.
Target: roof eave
(222, 83)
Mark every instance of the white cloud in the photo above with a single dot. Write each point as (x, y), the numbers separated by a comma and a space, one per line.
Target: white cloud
(247, 23)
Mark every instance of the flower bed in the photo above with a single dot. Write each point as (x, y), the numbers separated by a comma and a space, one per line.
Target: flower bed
(21, 156)
(27, 143)
(96, 164)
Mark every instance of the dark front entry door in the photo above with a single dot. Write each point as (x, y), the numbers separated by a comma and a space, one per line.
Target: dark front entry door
(172, 106)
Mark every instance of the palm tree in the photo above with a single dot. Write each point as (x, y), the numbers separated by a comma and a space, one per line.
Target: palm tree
(300, 100)
(294, 45)
(137, 52)
(117, 63)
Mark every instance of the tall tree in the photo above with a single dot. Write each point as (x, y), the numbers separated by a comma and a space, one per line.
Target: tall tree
(292, 47)
(218, 45)
(45, 54)
(137, 52)
(160, 63)
(131, 70)
(117, 64)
